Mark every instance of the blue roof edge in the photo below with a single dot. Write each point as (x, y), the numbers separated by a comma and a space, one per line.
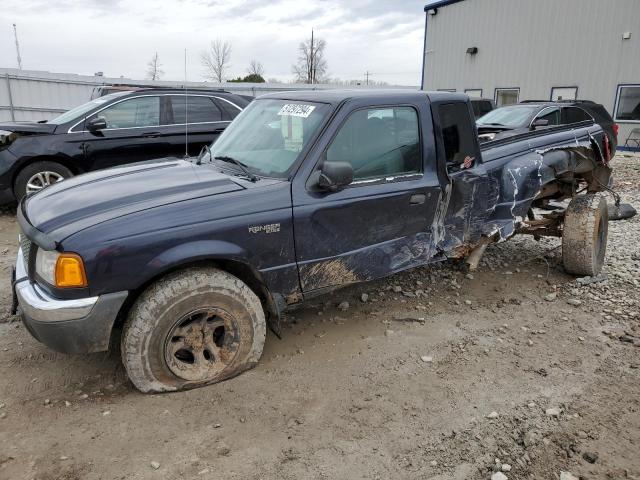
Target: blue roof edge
(440, 3)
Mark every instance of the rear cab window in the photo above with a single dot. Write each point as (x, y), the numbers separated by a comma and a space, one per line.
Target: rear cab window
(458, 136)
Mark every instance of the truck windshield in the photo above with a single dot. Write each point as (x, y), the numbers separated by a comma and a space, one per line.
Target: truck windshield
(268, 136)
(515, 116)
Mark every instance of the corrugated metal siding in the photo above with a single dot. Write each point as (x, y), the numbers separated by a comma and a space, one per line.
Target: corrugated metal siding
(536, 45)
(44, 95)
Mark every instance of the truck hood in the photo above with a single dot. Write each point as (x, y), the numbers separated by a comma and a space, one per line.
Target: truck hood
(28, 128)
(81, 202)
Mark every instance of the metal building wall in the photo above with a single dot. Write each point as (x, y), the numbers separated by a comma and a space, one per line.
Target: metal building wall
(536, 45)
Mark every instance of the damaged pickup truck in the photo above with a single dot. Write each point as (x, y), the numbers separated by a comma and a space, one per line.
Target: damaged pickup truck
(186, 262)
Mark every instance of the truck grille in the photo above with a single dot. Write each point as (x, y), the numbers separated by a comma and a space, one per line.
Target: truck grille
(25, 244)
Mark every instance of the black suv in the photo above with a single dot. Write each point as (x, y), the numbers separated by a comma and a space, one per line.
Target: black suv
(122, 127)
(538, 114)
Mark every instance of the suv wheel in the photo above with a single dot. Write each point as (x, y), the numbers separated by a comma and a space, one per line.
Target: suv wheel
(192, 328)
(584, 235)
(37, 176)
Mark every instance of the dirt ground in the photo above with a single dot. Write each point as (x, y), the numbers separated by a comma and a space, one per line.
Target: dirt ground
(437, 375)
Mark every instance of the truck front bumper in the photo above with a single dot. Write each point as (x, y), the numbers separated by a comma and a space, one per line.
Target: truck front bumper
(70, 326)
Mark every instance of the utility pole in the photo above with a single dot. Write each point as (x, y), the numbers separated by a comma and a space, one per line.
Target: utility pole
(15, 34)
(366, 74)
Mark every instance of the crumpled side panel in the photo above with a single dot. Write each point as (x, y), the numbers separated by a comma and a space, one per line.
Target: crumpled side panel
(496, 202)
(472, 197)
(488, 201)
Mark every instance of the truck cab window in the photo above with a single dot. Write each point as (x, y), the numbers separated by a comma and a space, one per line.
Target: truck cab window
(457, 134)
(379, 143)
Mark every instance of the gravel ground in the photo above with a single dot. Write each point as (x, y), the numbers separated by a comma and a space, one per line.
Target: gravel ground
(517, 371)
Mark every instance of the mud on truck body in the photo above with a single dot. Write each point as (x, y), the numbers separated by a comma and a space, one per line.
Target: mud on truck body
(187, 262)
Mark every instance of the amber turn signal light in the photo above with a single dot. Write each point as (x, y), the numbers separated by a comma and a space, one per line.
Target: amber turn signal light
(70, 271)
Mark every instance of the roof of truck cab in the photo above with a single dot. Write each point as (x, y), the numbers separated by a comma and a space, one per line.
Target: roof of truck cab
(340, 95)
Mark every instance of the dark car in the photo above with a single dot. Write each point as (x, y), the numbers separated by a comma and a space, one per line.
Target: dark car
(536, 115)
(482, 106)
(303, 193)
(115, 129)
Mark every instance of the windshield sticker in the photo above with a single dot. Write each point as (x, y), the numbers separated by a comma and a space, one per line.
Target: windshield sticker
(292, 130)
(296, 110)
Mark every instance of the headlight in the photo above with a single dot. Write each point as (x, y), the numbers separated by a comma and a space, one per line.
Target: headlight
(63, 270)
(486, 137)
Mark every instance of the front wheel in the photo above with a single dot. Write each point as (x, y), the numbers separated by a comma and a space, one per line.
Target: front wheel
(584, 236)
(39, 175)
(192, 328)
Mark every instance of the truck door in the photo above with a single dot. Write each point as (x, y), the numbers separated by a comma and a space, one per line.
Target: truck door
(381, 223)
(472, 193)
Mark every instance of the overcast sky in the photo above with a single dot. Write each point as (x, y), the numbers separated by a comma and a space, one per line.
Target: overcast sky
(119, 37)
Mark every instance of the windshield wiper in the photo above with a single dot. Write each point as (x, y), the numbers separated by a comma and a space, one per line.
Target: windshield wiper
(495, 124)
(240, 165)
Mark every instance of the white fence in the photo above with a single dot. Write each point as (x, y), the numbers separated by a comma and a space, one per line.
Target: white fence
(33, 95)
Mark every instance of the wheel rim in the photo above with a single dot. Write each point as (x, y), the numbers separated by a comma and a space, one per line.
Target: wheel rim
(41, 180)
(202, 344)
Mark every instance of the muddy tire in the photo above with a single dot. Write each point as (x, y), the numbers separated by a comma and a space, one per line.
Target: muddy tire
(584, 237)
(37, 176)
(192, 328)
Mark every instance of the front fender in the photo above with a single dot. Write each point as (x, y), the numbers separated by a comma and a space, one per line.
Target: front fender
(196, 251)
(231, 258)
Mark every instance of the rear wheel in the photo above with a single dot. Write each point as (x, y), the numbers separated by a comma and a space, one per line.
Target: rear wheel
(39, 175)
(584, 236)
(192, 328)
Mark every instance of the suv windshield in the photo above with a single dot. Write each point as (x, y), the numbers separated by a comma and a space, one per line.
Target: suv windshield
(515, 116)
(74, 113)
(268, 136)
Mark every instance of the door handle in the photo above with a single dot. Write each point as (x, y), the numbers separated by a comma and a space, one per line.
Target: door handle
(417, 199)
(151, 135)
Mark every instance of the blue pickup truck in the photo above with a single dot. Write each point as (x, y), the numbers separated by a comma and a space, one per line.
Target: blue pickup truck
(186, 262)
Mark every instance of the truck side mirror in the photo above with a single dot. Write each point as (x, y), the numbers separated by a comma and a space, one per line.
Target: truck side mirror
(539, 122)
(335, 176)
(96, 124)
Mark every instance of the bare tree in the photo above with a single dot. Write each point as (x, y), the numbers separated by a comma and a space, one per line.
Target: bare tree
(255, 68)
(216, 60)
(154, 70)
(311, 66)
